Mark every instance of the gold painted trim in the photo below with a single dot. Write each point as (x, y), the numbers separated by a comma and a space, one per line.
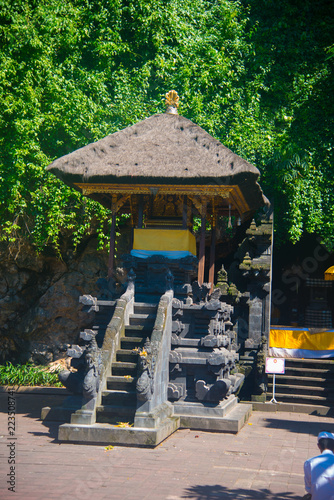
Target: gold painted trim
(233, 192)
(239, 201)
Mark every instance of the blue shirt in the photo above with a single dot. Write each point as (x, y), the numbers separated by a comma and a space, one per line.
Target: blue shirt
(319, 476)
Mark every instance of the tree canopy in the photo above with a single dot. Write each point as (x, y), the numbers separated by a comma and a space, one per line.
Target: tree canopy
(256, 74)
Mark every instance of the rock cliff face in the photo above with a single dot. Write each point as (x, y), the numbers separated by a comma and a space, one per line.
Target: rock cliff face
(39, 307)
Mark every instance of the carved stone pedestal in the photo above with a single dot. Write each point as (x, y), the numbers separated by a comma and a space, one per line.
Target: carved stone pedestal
(227, 416)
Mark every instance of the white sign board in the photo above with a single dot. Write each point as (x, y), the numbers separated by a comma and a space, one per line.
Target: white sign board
(275, 365)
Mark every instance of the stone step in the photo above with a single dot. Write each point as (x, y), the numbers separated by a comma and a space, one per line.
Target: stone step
(302, 389)
(314, 368)
(113, 414)
(144, 308)
(110, 434)
(232, 422)
(302, 398)
(286, 380)
(294, 407)
(309, 361)
(129, 343)
(306, 382)
(123, 368)
(126, 355)
(142, 319)
(123, 383)
(137, 331)
(119, 398)
(309, 371)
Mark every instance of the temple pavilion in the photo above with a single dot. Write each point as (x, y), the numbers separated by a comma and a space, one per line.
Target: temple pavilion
(164, 355)
(164, 171)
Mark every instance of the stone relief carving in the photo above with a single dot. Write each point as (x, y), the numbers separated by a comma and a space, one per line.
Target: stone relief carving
(203, 356)
(87, 361)
(201, 292)
(175, 391)
(145, 376)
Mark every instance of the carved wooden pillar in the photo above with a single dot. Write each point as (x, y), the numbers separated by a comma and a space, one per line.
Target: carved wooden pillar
(201, 256)
(212, 250)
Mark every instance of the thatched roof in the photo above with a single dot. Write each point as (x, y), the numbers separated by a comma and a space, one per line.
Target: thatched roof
(164, 149)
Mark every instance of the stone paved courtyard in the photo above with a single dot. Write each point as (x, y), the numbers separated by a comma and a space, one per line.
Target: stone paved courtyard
(264, 461)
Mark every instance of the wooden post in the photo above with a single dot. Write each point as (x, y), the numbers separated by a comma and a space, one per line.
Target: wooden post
(189, 214)
(140, 212)
(185, 213)
(212, 253)
(112, 236)
(201, 257)
(112, 245)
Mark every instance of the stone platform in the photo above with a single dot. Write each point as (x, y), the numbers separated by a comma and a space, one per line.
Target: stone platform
(232, 422)
(110, 434)
(230, 416)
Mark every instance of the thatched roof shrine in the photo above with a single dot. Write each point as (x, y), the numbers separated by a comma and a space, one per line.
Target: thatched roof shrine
(163, 171)
(164, 149)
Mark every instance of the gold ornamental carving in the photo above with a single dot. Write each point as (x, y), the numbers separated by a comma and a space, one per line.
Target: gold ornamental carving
(232, 192)
(196, 190)
(172, 99)
(168, 205)
(117, 204)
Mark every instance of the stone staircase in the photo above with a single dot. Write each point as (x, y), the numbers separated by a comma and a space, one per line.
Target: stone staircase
(132, 349)
(121, 417)
(307, 386)
(118, 403)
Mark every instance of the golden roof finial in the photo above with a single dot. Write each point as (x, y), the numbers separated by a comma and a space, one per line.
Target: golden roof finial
(172, 102)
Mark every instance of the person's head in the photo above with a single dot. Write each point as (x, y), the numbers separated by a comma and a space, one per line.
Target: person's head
(325, 441)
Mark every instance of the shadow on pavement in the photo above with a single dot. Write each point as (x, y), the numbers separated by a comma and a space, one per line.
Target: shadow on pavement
(300, 426)
(51, 431)
(218, 492)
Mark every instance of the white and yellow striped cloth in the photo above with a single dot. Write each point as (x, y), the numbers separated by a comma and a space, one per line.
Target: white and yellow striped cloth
(291, 342)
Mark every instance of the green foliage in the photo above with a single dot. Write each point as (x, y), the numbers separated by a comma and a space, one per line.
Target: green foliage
(45, 111)
(256, 74)
(292, 42)
(28, 375)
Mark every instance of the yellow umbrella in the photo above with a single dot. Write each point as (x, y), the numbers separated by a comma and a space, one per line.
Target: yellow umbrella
(329, 274)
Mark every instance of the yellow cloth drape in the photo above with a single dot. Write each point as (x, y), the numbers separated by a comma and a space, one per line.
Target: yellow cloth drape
(301, 339)
(165, 240)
